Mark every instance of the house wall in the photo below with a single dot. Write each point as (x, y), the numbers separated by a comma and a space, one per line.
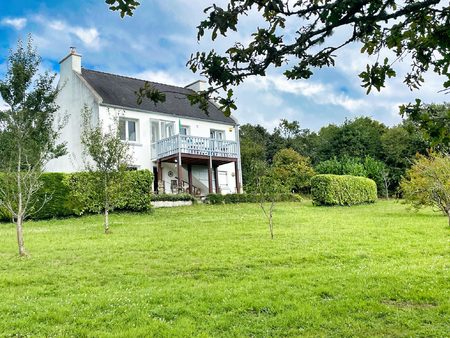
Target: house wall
(74, 94)
(142, 152)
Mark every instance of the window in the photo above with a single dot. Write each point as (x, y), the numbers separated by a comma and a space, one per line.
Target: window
(167, 129)
(217, 134)
(128, 130)
(185, 130)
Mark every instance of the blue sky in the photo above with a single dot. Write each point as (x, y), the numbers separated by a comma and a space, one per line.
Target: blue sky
(157, 41)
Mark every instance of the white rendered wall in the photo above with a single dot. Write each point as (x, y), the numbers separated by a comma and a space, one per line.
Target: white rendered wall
(72, 98)
(76, 94)
(141, 149)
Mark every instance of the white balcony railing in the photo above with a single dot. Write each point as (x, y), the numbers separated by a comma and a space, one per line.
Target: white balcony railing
(195, 146)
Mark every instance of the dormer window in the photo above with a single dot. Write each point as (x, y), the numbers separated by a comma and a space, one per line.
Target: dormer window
(128, 129)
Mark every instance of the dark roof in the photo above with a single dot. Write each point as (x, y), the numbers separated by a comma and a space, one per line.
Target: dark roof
(121, 91)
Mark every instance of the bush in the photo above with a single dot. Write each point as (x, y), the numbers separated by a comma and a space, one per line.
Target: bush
(293, 169)
(342, 190)
(427, 183)
(172, 198)
(73, 194)
(249, 198)
(366, 167)
(57, 194)
(131, 194)
(215, 199)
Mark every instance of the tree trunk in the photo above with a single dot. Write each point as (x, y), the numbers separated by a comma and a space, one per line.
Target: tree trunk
(19, 230)
(106, 180)
(106, 219)
(20, 207)
(448, 213)
(271, 219)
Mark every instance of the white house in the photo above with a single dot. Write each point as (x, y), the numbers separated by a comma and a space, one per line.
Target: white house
(185, 148)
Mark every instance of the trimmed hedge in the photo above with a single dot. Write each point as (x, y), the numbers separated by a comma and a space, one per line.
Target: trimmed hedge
(131, 194)
(342, 190)
(249, 198)
(172, 197)
(73, 194)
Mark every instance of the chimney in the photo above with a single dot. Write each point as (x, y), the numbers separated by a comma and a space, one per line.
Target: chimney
(71, 62)
(198, 86)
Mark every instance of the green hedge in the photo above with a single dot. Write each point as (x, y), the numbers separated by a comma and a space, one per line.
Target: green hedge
(342, 190)
(249, 198)
(131, 194)
(172, 198)
(74, 194)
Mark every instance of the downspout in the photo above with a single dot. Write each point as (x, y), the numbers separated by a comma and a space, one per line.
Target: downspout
(239, 156)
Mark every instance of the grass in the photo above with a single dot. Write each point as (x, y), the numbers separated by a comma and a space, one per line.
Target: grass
(372, 270)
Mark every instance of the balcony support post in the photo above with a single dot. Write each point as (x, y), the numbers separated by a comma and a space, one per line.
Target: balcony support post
(237, 176)
(180, 168)
(210, 187)
(159, 177)
(190, 178)
(216, 178)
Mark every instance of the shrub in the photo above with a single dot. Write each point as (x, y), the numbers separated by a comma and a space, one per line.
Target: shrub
(58, 197)
(249, 198)
(72, 194)
(214, 199)
(132, 194)
(293, 169)
(342, 190)
(172, 198)
(366, 167)
(427, 183)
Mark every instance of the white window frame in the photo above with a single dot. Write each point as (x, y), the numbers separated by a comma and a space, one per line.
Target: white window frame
(127, 133)
(215, 132)
(187, 128)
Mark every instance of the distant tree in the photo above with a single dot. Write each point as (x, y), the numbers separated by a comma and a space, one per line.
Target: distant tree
(355, 138)
(427, 183)
(253, 142)
(326, 145)
(28, 134)
(433, 120)
(107, 159)
(293, 170)
(288, 130)
(399, 146)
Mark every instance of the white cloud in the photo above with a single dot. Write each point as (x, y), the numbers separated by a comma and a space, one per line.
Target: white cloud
(17, 23)
(320, 93)
(90, 37)
(165, 77)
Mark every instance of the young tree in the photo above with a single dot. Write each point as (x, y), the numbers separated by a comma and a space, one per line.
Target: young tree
(268, 186)
(107, 158)
(28, 134)
(428, 183)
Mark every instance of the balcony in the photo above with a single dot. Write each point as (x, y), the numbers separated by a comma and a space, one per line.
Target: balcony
(195, 146)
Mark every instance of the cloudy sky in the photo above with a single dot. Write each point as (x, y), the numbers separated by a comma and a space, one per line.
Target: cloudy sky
(157, 41)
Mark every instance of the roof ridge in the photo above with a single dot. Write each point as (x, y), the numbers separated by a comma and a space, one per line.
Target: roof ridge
(134, 78)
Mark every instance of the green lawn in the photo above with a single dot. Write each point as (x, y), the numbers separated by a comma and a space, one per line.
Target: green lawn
(373, 270)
